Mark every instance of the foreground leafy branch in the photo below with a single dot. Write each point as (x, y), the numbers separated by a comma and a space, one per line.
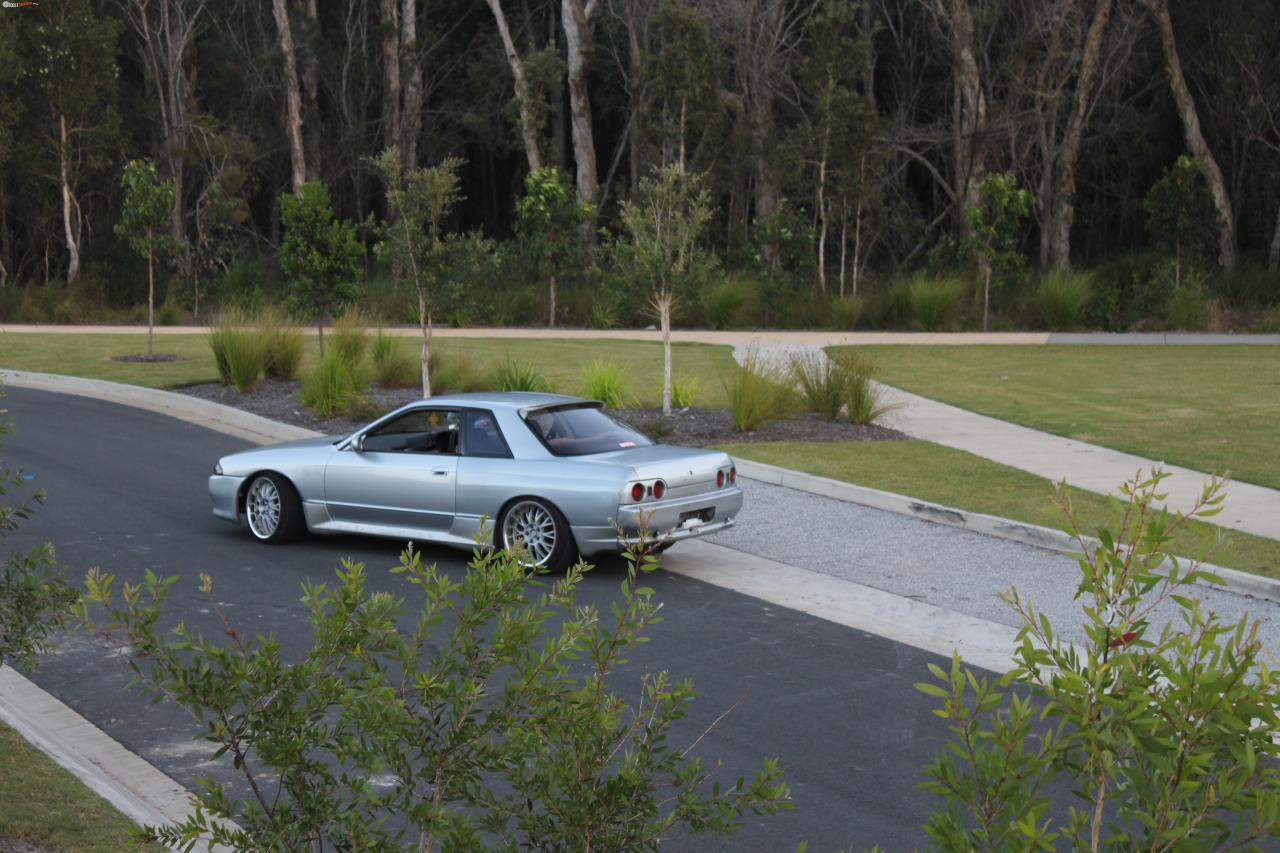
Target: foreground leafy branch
(1163, 739)
(470, 713)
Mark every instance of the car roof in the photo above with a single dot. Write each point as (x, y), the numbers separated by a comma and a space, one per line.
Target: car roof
(505, 399)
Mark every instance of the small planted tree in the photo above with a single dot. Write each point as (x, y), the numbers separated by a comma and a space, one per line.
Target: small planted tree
(320, 255)
(489, 700)
(548, 221)
(1181, 217)
(144, 218)
(417, 203)
(995, 222)
(662, 224)
(35, 596)
(1156, 739)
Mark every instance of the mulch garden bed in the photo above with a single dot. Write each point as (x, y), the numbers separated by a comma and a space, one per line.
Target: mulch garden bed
(692, 427)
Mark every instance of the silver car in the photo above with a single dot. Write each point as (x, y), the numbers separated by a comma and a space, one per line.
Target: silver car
(555, 475)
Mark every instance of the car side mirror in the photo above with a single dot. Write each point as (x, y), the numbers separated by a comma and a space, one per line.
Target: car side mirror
(358, 444)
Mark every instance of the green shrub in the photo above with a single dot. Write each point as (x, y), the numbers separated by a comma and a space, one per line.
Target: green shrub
(684, 388)
(285, 342)
(605, 313)
(245, 354)
(1063, 296)
(393, 365)
(514, 375)
(1189, 310)
(170, 313)
(221, 337)
(846, 311)
(334, 386)
(862, 396)
(454, 374)
(733, 303)
(758, 392)
(935, 300)
(1269, 320)
(605, 379)
(349, 336)
(823, 382)
(1137, 731)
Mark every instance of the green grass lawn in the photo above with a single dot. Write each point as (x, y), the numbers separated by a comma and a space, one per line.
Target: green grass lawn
(561, 361)
(954, 478)
(1211, 408)
(43, 804)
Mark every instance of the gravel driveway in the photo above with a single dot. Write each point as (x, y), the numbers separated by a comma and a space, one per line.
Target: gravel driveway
(944, 566)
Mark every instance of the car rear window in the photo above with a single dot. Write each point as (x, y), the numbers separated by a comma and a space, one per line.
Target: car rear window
(582, 430)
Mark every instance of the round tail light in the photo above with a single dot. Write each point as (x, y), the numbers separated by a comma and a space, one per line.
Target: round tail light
(659, 489)
(719, 479)
(637, 492)
(733, 475)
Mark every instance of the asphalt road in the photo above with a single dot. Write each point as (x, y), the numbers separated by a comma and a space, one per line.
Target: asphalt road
(127, 493)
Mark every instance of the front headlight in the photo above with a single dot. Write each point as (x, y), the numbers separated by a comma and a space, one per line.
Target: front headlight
(217, 468)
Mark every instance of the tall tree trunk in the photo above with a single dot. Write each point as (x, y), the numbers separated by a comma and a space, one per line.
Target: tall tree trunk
(528, 131)
(1273, 259)
(151, 295)
(822, 226)
(424, 320)
(1196, 143)
(391, 76)
(970, 154)
(293, 97)
(312, 129)
(635, 68)
(413, 94)
(1056, 236)
(575, 18)
(551, 314)
(665, 301)
(68, 203)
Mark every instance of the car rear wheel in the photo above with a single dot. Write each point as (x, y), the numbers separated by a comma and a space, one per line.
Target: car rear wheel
(272, 509)
(539, 531)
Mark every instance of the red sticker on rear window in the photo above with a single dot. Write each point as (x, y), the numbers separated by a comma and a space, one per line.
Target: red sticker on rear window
(626, 444)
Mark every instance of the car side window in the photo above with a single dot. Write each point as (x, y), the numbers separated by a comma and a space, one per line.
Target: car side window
(419, 431)
(483, 437)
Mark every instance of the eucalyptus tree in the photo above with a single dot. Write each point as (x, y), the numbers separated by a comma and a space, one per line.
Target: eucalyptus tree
(319, 255)
(147, 206)
(418, 200)
(71, 54)
(547, 222)
(661, 246)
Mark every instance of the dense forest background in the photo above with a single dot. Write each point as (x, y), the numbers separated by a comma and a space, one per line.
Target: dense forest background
(842, 144)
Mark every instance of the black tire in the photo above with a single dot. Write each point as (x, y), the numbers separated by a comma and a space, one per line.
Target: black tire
(272, 509)
(548, 541)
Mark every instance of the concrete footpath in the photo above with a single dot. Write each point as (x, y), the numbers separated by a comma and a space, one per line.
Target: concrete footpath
(1248, 508)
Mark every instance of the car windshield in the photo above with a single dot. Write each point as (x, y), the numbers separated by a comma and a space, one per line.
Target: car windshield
(582, 430)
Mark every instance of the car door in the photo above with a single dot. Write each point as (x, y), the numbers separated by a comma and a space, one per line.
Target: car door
(402, 473)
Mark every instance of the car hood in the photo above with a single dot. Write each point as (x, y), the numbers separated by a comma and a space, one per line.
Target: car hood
(300, 444)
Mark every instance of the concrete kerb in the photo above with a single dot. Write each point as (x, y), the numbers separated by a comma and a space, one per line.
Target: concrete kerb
(1239, 582)
(136, 789)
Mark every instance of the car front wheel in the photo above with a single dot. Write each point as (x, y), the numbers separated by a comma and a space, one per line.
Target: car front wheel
(272, 508)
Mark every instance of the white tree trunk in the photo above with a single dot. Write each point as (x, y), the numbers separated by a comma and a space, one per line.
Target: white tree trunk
(664, 318)
(1273, 260)
(413, 95)
(1196, 142)
(391, 75)
(551, 314)
(528, 132)
(822, 226)
(579, 47)
(424, 320)
(151, 296)
(293, 97)
(68, 204)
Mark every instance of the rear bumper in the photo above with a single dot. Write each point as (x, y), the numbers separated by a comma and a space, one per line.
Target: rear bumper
(665, 521)
(223, 493)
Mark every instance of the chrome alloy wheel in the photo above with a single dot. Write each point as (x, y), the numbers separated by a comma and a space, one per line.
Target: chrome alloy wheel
(530, 525)
(262, 507)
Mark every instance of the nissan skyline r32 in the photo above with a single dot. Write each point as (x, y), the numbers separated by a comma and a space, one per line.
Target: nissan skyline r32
(555, 475)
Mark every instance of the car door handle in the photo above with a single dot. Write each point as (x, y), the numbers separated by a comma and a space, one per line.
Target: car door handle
(440, 472)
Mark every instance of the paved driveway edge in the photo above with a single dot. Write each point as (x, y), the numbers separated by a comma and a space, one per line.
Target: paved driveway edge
(1237, 581)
